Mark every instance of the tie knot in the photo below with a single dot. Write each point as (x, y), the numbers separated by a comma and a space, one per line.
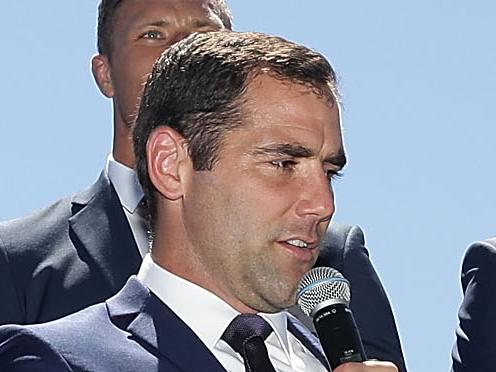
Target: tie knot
(244, 328)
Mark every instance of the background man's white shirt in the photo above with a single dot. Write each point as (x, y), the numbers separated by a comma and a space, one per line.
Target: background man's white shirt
(126, 184)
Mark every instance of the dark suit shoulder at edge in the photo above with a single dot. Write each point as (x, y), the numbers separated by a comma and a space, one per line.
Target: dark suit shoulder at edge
(481, 252)
(43, 225)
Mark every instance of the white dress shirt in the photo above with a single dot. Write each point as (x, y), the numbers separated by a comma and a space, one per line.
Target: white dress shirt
(286, 352)
(130, 193)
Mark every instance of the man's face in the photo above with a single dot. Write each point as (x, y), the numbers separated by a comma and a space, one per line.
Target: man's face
(256, 219)
(141, 31)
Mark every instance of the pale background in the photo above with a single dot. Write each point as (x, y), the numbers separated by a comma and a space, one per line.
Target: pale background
(418, 82)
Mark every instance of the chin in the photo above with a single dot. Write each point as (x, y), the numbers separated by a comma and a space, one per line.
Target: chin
(275, 301)
(284, 301)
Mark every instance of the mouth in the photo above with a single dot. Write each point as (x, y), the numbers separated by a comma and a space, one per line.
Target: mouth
(302, 249)
(297, 243)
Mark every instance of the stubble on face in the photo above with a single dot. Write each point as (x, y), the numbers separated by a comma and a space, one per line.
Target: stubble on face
(236, 251)
(240, 215)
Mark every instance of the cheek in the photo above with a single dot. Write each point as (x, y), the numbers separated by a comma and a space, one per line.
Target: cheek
(275, 192)
(130, 75)
(259, 203)
(127, 86)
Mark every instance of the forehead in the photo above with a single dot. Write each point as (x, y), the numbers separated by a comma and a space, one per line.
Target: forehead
(129, 13)
(278, 115)
(292, 112)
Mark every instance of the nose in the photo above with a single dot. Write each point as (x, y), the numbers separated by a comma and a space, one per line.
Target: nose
(317, 198)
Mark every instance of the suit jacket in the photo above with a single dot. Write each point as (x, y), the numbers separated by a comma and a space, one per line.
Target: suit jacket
(475, 346)
(132, 331)
(80, 251)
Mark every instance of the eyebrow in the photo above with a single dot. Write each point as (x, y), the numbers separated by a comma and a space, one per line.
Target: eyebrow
(196, 22)
(159, 23)
(299, 151)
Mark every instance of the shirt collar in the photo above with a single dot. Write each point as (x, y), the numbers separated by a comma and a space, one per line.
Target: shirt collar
(279, 323)
(185, 298)
(125, 182)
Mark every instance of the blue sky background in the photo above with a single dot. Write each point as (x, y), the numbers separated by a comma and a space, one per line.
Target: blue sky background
(418, 84)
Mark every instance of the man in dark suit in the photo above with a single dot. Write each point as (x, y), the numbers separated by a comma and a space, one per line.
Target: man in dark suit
(229, 122)
(475, 348)
(132, 318)
(82, 249)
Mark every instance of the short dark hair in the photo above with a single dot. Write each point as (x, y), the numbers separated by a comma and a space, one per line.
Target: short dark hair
(197, 88)
(106, 14)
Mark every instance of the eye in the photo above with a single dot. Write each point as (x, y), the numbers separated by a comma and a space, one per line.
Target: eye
(284, 164)
(152, 34)
(332, 174)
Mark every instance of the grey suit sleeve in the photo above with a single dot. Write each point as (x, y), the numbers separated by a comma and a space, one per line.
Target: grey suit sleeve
(345, 250)
(10, 309)
(21, 350)
(475, 345)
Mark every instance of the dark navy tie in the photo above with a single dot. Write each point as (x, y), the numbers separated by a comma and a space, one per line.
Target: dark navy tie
(246, 335)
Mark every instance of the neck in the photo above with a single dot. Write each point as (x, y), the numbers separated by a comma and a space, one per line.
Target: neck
(122, 148)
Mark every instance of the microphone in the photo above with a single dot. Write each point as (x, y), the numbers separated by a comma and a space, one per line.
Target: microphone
(324, 294)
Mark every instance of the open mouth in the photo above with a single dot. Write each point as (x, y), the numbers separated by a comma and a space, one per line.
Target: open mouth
(302, 250)
(297, 243)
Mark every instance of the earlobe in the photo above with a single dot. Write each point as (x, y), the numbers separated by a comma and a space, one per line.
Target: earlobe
(165, 156)
(100, 66)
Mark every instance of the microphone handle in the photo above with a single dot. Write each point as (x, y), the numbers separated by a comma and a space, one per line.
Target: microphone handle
(339, 335)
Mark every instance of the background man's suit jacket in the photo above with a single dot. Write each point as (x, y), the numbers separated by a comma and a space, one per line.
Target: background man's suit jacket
(475, 346)
(81, 250)
(132, 331)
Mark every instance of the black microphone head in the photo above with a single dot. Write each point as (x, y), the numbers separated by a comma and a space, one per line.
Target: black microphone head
(322, 286)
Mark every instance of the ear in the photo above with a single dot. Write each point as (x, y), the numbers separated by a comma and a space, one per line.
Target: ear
(167, 155)
(100, 66)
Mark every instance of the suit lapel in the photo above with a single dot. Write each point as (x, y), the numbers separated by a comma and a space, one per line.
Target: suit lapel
(161, 332)
(307, 338)
(100, 226)
(142, 314)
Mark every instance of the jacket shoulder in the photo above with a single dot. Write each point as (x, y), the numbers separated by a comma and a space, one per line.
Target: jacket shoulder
(340, 240)
(479, 263)
(56, 345)
(20, 231)
(22, 350)
(46, 228)
(481, 251)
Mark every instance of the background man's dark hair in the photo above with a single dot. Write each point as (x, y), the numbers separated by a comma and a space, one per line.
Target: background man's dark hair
(197, 88)
(106, 13)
